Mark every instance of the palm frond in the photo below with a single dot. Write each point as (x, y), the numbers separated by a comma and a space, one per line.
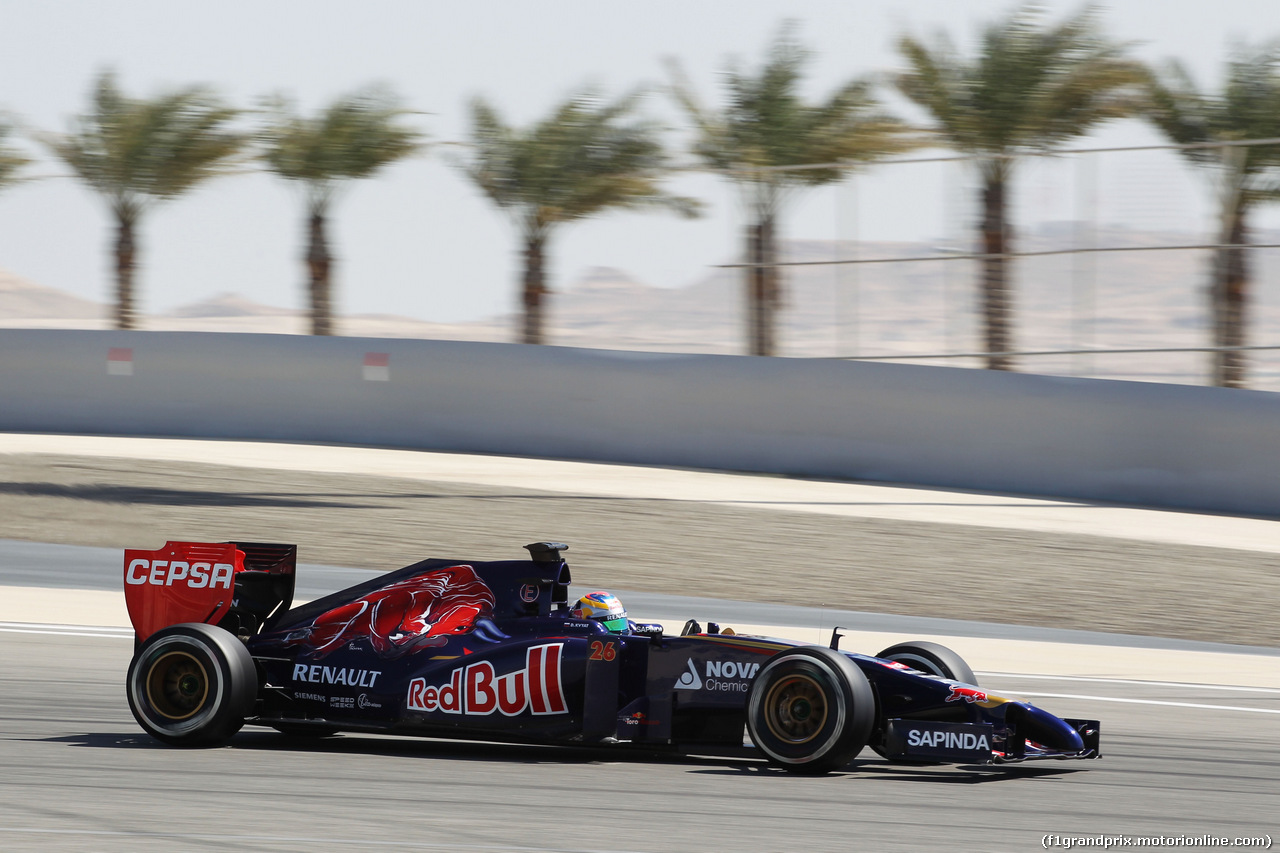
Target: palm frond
(136, 151)
(353, 138)
(11, 161)
(765, 124)
(587, 156)
(1248, 107)
(1030, 85)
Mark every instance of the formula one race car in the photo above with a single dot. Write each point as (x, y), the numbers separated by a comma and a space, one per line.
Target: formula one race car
(491, 650)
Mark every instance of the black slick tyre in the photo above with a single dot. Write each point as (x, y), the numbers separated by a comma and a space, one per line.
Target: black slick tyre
(810, 710)
(192, 685)
(931, 658)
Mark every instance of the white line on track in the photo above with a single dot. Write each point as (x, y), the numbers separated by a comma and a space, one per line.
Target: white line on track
(1097, 680)
(290, 839)
(66, 630)
(1152, 702)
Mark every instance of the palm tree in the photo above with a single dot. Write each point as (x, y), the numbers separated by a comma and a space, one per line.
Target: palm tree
(353, 138)
(584, 158)
(136, 153)
(11, 162)
(764, 128)
(1247, 108)
(1031, 86)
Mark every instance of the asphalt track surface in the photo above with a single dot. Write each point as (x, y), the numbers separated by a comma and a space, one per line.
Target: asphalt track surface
(1180, 760)
(80, 776)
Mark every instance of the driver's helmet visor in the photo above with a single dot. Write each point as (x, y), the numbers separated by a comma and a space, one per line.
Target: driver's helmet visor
(617, 626)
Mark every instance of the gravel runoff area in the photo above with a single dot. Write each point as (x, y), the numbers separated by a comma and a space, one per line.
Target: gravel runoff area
(660, 545)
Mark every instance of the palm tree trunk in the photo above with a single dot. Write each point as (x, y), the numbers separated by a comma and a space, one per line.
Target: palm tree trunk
(764, 289)
(319, 272)
(534, 289)
(1228, 297)
(126, 249)
(996, 298)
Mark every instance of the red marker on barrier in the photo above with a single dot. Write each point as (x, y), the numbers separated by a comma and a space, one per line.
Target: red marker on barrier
(120, 361)
(377, 367)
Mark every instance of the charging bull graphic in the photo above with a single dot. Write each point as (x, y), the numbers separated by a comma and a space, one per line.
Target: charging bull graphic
(969, 695)
(412, 614)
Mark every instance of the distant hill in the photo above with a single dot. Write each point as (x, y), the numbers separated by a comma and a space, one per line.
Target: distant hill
(228, 305)
(24, 300)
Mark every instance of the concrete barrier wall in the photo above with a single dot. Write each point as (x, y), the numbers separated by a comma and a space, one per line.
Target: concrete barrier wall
(1166, 445)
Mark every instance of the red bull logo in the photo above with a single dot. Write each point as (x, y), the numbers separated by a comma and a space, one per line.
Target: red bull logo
(478, 690)
(966, 694)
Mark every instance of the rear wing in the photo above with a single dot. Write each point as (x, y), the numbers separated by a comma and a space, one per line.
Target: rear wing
(239, 586)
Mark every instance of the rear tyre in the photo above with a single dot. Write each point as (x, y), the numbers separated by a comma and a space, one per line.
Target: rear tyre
(192, 685)
(810, 710)
(931, 658)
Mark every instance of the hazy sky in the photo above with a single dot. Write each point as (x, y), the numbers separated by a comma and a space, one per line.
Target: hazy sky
(418, 239)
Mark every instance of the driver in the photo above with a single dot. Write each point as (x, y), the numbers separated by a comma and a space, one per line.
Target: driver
(605, 608)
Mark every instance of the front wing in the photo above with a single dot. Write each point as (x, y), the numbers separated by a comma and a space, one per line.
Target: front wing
(979, 743)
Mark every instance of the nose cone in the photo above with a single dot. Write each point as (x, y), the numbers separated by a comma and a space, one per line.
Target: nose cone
(1045, 729)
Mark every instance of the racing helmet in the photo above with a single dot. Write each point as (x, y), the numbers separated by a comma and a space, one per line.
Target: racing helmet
(602, 607)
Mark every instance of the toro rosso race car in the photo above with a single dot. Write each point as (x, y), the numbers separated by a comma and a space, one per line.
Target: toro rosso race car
(491, 650)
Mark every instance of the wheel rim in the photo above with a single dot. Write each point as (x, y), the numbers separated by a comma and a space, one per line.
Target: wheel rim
(795, 709)
(177, 685)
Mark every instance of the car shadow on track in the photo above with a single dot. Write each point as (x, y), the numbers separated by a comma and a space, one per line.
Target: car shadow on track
(961, 774)
(356, 743)
(488, 751)
(152, 496)
(952, 775)
(106, 740)
(518, 753)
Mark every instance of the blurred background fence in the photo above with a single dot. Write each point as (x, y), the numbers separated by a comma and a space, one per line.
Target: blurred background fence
(1111, 267)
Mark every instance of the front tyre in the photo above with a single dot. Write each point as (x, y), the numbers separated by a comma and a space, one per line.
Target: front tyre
(810, 710)
(192, 685)
(931, 658)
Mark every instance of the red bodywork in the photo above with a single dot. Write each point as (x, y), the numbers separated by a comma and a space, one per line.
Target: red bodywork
(181, 582)
(413, 613)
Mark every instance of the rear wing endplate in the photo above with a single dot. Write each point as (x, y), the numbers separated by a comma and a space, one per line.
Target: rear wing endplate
(238, 585)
